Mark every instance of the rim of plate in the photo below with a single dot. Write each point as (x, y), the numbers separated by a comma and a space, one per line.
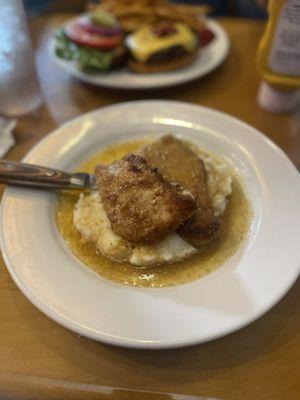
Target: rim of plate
(124, 79)
(152, 344)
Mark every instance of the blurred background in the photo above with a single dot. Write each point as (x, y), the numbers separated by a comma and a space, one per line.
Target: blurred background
(244, 8)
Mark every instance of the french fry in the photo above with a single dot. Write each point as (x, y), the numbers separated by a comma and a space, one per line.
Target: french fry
(132, 14)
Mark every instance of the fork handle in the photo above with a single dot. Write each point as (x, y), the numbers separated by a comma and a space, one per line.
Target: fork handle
(35, 176)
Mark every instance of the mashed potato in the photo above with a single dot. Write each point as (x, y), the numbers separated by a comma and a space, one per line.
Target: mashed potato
(219, 182)
(91, 221)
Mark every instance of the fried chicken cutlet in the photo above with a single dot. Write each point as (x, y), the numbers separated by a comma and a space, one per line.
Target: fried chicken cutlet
(141, 205)
(178, 163)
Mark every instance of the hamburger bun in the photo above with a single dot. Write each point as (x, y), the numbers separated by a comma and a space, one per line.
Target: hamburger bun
(161, 66)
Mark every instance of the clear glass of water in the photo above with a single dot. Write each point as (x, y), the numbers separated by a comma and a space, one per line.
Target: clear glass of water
(19, 88)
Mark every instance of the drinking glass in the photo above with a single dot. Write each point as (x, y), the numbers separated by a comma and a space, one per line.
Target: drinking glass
(19, 88)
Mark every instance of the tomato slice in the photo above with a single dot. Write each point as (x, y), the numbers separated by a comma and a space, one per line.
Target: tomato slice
(87, 25)
(82, 37)
(205, 37)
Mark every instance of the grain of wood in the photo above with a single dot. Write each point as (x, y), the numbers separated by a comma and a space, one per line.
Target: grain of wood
(262, 361)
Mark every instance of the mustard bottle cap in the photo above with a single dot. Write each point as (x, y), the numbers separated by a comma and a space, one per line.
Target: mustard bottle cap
(277, 101)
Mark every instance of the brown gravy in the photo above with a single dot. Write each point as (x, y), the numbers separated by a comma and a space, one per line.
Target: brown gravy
(235, 226)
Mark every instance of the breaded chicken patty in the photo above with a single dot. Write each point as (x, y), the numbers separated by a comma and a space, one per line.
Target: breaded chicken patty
(141, 205)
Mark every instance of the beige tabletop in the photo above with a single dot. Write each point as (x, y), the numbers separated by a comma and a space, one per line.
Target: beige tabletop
(261, 361)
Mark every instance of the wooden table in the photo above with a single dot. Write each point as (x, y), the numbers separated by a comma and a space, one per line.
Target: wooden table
(262, 361)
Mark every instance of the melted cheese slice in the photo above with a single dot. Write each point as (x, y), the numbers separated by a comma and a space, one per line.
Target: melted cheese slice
(143, 43)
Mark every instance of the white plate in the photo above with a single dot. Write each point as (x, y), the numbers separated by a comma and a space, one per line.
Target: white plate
(240, 291)
(209, 58)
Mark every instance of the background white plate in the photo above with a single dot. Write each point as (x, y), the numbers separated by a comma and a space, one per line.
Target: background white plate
(240, 291)
(209, 58)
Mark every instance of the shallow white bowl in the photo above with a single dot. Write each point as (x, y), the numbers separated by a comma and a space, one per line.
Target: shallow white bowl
(240, 291)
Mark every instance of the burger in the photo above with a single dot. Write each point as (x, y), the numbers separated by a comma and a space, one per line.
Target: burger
(160, 47)
(94, 41)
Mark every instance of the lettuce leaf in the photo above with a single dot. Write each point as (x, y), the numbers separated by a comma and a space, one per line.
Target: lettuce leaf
(88, 60)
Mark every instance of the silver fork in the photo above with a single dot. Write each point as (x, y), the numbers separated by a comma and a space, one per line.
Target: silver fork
(35, 176)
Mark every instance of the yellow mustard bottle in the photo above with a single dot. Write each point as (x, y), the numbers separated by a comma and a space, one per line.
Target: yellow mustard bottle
(278, 58)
